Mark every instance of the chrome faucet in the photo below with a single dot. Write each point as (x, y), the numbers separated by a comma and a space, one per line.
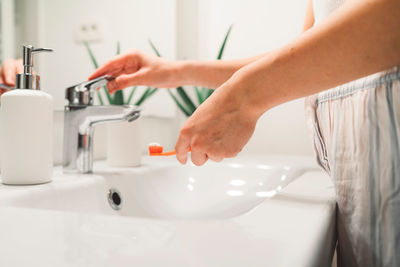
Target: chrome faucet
(80, 117)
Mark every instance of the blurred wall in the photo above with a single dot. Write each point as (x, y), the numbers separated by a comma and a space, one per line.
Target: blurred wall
(7, 29)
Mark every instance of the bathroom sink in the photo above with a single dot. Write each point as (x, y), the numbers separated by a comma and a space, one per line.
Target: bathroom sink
(217, 190)
(160, 189)
(166, 214)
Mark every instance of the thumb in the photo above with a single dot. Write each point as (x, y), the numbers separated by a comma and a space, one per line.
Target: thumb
(10, 76)
(126, 80)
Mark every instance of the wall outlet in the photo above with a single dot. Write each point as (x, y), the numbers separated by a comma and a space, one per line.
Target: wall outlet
(90, 32)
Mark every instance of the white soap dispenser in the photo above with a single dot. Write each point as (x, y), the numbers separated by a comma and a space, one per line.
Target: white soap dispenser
(27, 128)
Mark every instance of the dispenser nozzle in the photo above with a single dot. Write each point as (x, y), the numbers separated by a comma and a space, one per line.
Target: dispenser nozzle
(28, 80)
(28, 58)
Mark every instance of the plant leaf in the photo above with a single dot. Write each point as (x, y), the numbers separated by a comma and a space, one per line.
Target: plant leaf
(99, 97)
(209, 92)
(152, 92)
(118, 48)
(109, 97)
(204, 93)
(143, 97)
(187, 113)
(154, 48)
(131, 95)
(186, 99)
(92, 57)
(200, 95)
(146, 95)
(221, 50)
(118, 98)
(118, 95)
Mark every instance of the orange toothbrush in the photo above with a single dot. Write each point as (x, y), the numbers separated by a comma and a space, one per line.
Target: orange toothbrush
(156, 149)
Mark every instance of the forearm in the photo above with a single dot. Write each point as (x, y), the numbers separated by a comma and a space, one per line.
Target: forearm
(359, 39)
(210, 74)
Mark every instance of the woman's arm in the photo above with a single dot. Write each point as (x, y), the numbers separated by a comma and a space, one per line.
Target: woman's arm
(360, 38)
(138, 68)
(211, 74)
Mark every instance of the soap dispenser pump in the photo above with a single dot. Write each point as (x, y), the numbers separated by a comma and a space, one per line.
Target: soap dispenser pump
(27, 128)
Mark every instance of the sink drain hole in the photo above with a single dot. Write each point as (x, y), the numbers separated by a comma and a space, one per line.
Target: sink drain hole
(114, 199)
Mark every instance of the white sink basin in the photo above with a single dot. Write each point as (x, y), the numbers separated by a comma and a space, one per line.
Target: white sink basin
(173, 215)
(190, 192)
(161, 189)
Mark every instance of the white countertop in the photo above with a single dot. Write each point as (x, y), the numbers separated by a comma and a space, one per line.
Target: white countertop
(295, 228)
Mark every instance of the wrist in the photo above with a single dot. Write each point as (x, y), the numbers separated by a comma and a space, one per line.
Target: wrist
(247, 92)
(182, 72)
(233, 97)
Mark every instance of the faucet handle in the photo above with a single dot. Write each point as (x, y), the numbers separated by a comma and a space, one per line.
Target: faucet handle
(82, 94)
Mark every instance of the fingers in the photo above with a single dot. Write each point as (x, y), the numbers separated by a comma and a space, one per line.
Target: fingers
(198, 157)
(20, 66)
(215, 158)
(124, 81)
(9, 75)
(2, 91)
(182, 147)
(3, 71)
(9, 69)
(113, 67)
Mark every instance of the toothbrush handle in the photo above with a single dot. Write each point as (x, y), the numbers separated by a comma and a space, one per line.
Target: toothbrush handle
(169, 153)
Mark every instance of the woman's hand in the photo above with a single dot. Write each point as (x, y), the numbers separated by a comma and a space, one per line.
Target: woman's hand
(9, 69)
(220, 127)
(138, 68)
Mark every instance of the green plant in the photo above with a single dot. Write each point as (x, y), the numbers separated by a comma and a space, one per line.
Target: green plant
(118, 97)
(182, 99)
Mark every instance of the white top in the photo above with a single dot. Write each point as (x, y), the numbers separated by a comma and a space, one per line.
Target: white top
(323, 8)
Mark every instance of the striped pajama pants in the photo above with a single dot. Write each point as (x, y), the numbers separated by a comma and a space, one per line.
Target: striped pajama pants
(356, 130)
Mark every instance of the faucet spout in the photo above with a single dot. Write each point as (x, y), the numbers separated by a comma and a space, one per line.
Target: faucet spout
(79, 125)
(105, 114)
(80, 119)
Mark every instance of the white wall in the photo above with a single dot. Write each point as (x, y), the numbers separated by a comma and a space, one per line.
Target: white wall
(7, 29)
(259, 26)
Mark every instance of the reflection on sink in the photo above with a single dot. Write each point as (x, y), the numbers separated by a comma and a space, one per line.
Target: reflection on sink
(160, 189)
(188, 192)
